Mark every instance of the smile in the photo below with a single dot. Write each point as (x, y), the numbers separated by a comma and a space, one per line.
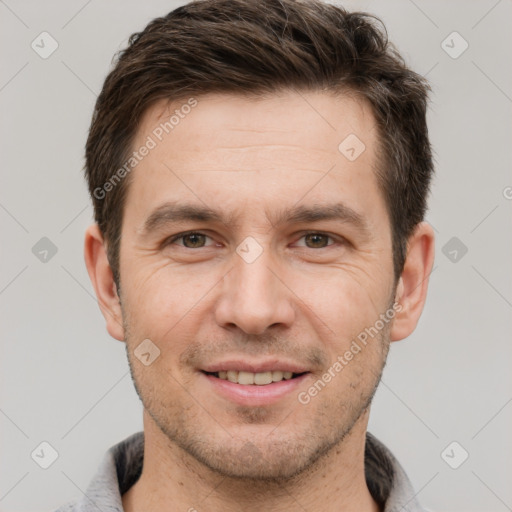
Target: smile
(253, 389)
(255, 379)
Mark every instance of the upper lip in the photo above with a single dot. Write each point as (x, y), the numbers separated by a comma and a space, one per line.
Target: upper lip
(254, 366)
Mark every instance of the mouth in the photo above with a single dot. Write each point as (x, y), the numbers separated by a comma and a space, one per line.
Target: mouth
(265, 387)
(246, 378)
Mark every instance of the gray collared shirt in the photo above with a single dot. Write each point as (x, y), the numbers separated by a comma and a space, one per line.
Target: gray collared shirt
(122, 466)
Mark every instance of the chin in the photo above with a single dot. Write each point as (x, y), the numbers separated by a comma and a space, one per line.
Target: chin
(261, 459)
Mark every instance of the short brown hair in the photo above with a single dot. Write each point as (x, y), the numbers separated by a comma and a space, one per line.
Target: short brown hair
(257, 47)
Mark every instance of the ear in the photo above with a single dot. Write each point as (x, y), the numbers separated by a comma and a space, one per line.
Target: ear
(411, 292)
(102, 279)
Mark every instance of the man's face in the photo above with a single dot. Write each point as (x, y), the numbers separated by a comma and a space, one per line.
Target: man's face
(264, 284)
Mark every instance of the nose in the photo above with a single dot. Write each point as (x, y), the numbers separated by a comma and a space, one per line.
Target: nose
(254, 297)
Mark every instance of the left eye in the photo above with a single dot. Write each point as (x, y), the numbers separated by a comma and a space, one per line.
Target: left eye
(316, 240)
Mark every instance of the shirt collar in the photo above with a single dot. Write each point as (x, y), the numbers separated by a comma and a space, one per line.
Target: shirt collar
(122, 466)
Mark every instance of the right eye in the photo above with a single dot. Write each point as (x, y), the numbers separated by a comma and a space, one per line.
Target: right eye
(191, 240)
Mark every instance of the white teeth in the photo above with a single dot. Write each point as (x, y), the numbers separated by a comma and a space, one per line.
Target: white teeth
(277, 376)
(246, 378)
(259, 379)
(262, 378)
(232, 376)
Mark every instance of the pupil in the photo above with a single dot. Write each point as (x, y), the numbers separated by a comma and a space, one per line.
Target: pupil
(195, 239)
(317, 240)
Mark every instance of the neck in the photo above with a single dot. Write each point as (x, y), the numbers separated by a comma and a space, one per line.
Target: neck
(173, 480)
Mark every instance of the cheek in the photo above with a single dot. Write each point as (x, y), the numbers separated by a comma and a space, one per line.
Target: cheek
(345, 301)
(161, 300)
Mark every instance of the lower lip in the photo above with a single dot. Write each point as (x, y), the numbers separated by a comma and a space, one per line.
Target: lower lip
(253, 394)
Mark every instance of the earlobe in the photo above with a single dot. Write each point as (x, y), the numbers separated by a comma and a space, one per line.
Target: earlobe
(411, 292)
(103, 282)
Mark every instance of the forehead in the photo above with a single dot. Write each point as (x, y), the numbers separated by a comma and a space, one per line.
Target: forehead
(221, 147)
(312, 121)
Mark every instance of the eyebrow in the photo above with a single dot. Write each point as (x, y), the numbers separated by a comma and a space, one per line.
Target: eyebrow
(173, 212)
(318, 212)
(169, 213)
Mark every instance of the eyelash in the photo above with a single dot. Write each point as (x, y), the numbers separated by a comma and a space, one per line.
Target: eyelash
(306, 233)
(183, 235)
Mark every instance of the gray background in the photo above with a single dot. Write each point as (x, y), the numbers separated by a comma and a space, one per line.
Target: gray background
(66, 382)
